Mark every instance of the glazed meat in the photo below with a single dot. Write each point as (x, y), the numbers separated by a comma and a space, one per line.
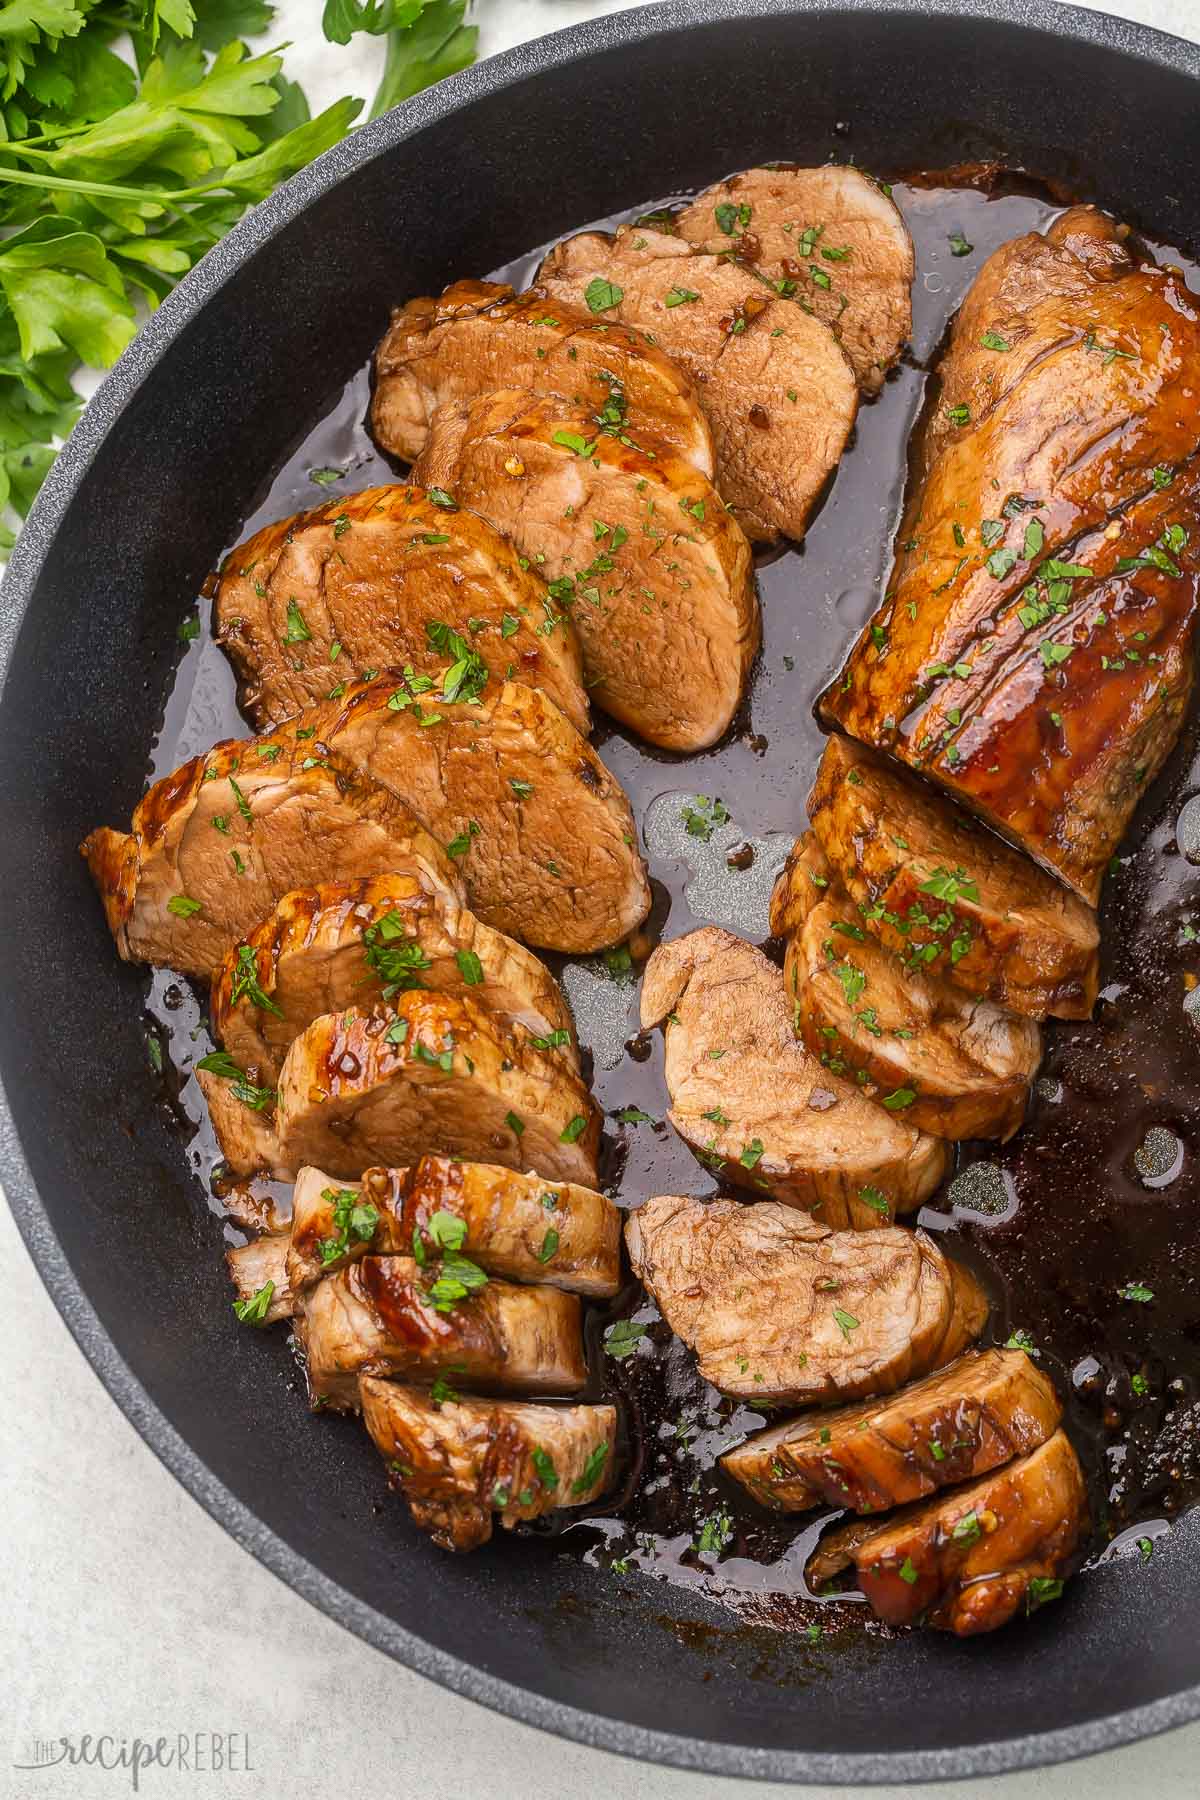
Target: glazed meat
(757, 1108)
(969, 1560)
(1033, 654)
(637, 548)
(480, 336)
(542, 832)
(982, 1410)
(518, 1226)
(216, 844)
(954, 1065)
(948, 897)
(782, 1311)
(380, 580)
(459, 1461)
(777, 386)
(430, 1072)
(832, 238)
(389, 1315)
(356, 943)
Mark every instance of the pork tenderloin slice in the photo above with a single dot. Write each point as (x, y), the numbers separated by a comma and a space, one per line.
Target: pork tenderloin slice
(480, 336)
(1033, 654)
(542, 832)
(969, 1560)
(383, 1316)
(636, 545)
(243, 1118)
(757, 1108)
(947, 896)
(430, 1071)
(216, 844)
(356, 943)
(982, 1410)
(953, 1064)
(377, 580)
(252, 1266)
(782, 1311)
(458, 1462)
(831, 238)
(517, 1225)
(776, 385)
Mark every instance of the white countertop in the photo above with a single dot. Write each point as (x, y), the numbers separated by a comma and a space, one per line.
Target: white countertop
(128, 1611)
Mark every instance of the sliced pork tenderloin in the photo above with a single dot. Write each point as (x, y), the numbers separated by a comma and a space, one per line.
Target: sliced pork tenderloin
(782, 1311)
(358, 943)
(391, 1315)
(757, 1108)
(459, 1462)
(382, 579)
(637, 548)
(430, 1072)
(952, 1064)
(948, 897)
(979, 1412)
(969, 1560)
(777, 387)
(480, 336)
(831, 238)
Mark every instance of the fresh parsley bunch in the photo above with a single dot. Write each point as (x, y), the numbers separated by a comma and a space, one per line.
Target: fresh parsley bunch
(118, 172)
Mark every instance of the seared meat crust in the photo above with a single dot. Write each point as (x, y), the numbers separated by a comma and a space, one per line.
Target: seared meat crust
(980, 1411)
(967, 1561)
(947, 896)
(1034, 652)
(380, 1317)
(382, 1087)
(957, 1066)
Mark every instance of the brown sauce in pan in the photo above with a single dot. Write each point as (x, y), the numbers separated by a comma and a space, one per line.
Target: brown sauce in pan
(1094, 1199)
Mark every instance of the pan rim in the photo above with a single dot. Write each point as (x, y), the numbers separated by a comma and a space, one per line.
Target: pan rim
(623, 31)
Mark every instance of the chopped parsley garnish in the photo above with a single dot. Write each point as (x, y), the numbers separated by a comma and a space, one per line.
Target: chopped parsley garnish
(591, 1471)
(845, 1322)
(354, 1221)
(601, 295)
(253, 1311)
(297, 631)
(704, 816)
(245, 984)
(469, 967)
(622, 1338)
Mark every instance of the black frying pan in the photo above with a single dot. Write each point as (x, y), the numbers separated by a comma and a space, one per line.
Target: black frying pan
(165, 462)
